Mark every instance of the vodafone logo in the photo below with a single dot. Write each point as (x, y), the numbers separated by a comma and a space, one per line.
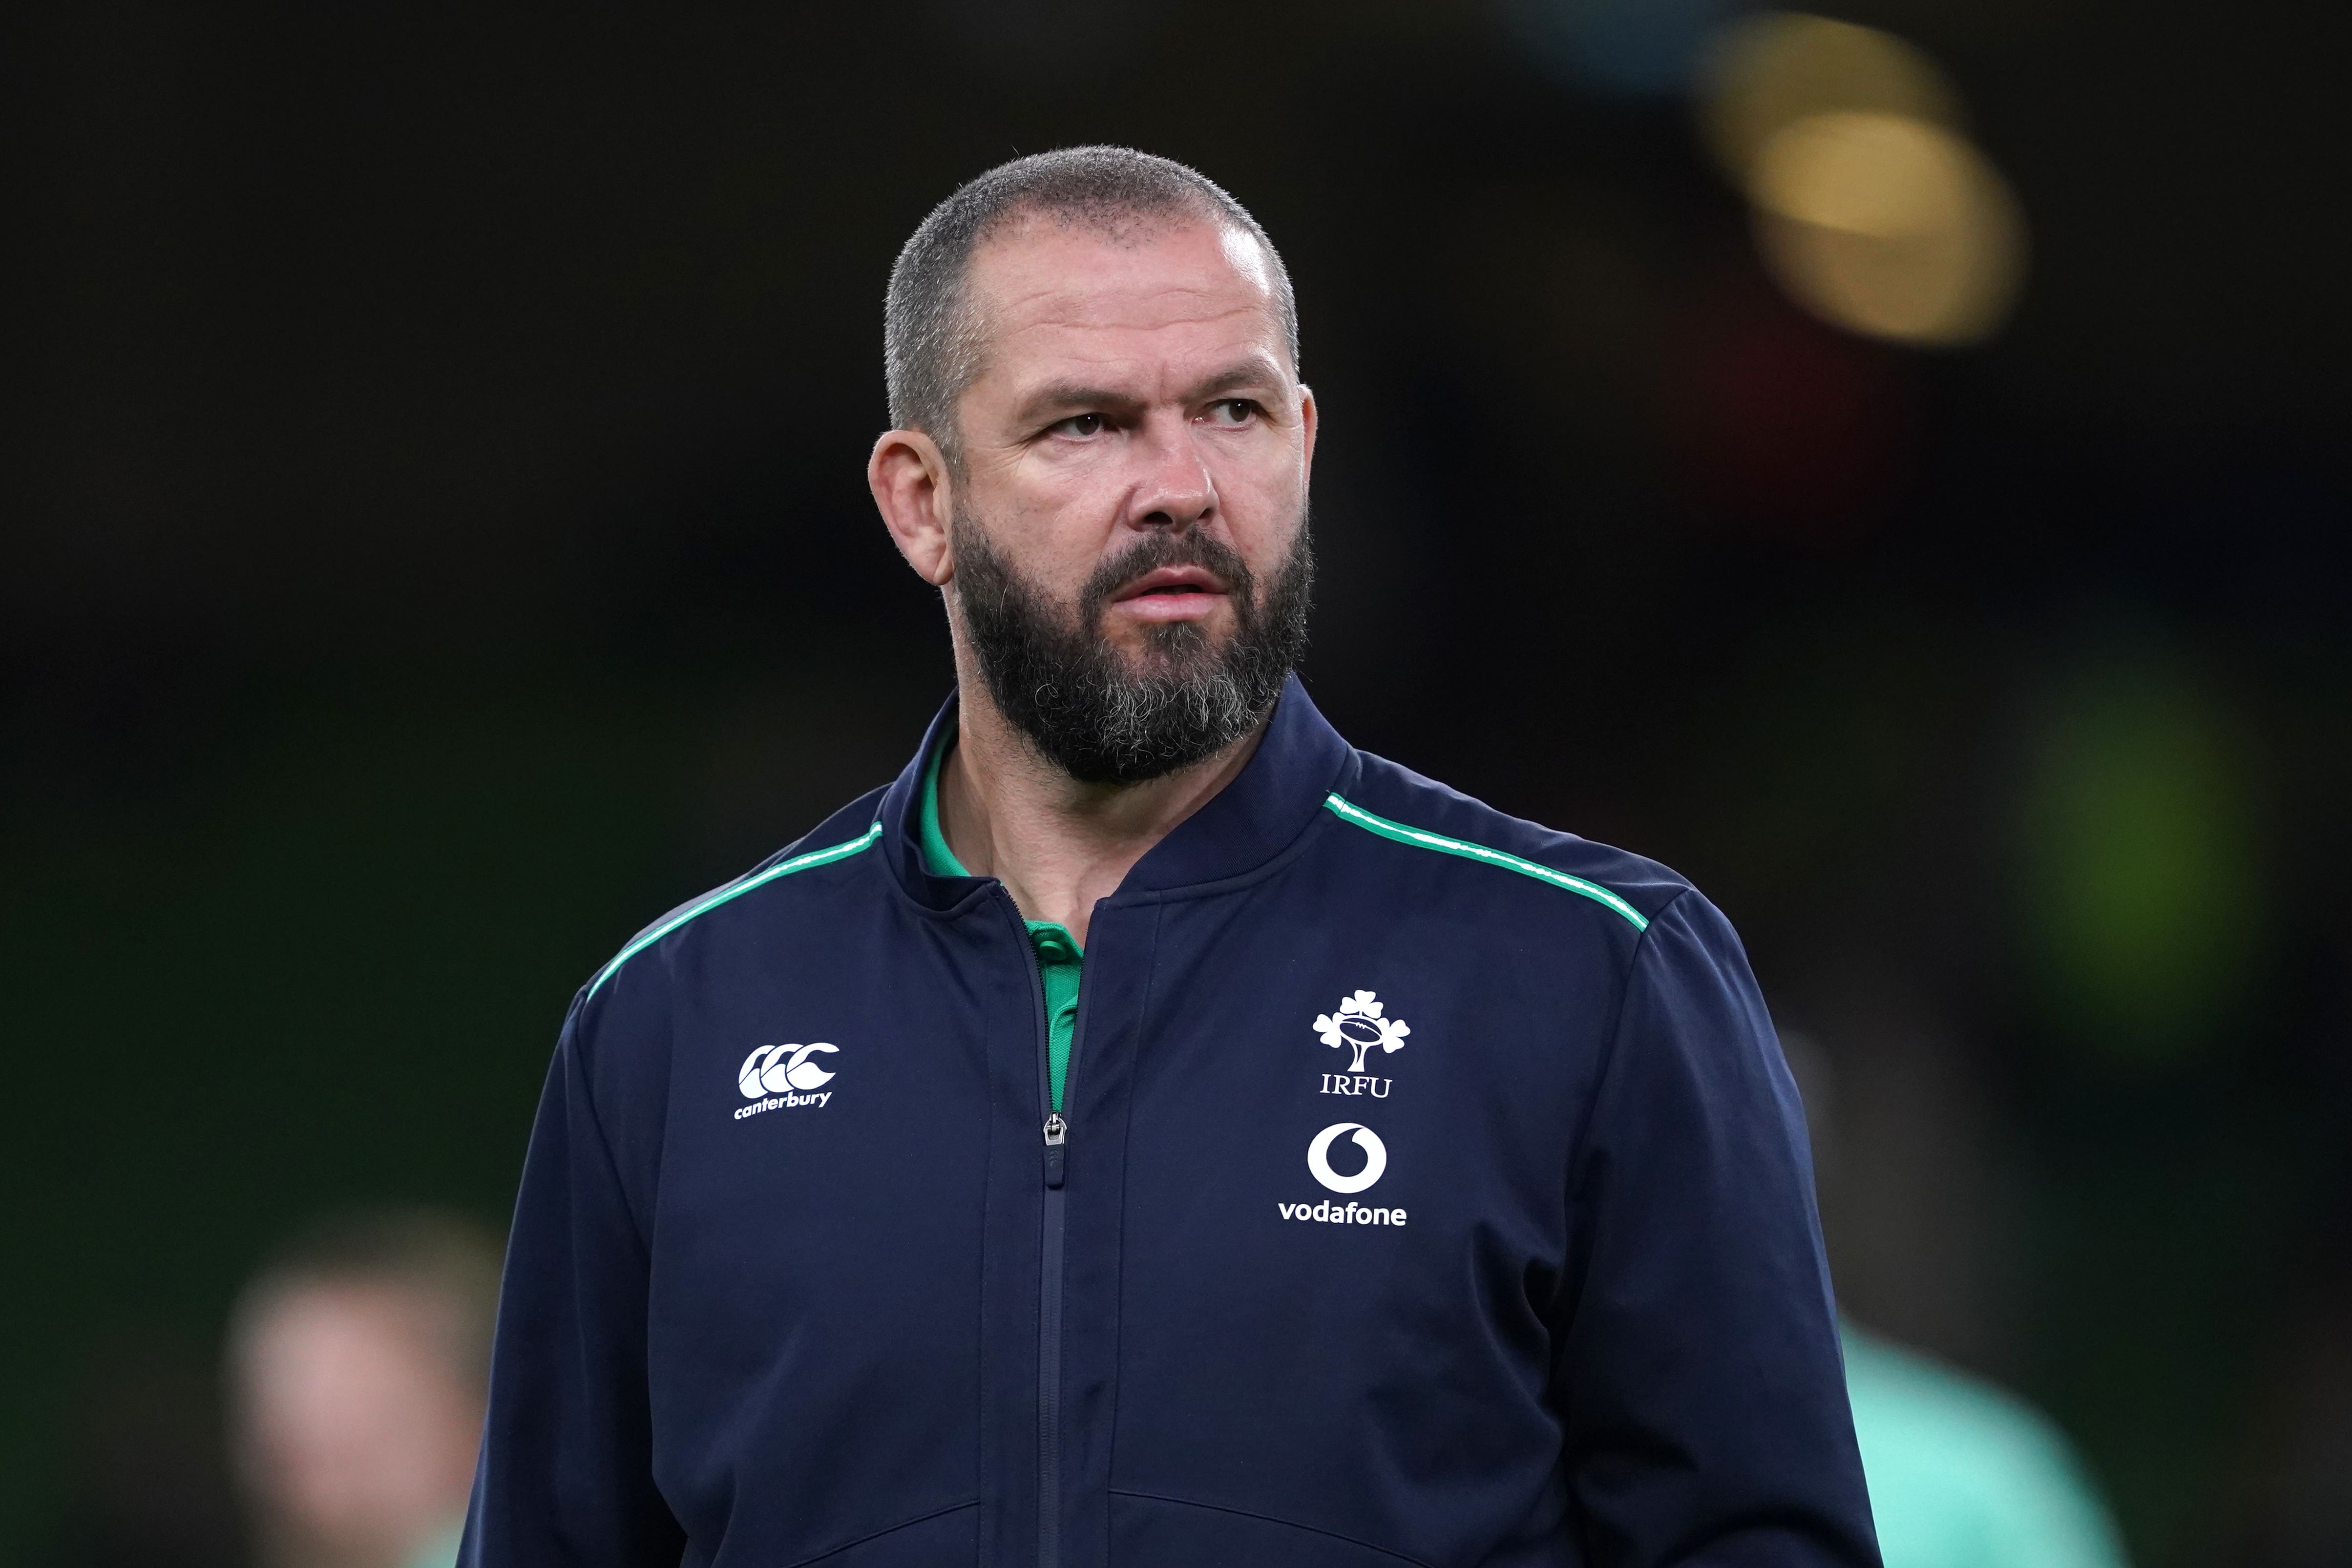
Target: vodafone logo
(1319, 1165)
(783, 1077)
(1318, 1157)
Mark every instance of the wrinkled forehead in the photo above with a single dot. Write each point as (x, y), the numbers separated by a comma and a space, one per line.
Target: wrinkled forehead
(1041, 285)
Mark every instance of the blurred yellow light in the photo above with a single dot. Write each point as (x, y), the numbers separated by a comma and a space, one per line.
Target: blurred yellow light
(1888, 227)
(1765, 74)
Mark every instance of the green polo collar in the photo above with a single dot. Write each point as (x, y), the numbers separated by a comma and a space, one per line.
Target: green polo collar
(1059, 957)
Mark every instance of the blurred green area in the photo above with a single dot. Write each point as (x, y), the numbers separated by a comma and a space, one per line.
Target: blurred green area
(240, 998)
(2144, 875)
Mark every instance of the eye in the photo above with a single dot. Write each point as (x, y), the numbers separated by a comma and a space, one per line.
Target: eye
(1233, 411)
(1080, 425)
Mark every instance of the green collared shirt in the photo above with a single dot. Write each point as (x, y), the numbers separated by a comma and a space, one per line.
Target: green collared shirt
(1964, 1475)
(1059, 957)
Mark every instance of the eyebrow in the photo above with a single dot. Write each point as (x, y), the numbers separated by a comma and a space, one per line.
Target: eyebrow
(1248, 373)
(1252, 372)
(1074, 394)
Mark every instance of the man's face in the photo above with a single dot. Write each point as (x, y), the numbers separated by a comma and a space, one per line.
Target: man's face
(1129, 541)
(1129, 387)
(356, 1433)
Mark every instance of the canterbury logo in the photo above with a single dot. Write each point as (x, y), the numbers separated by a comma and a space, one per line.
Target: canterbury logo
(777, 1077)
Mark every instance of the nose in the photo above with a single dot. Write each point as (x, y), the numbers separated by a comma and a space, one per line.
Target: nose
(1175, 491)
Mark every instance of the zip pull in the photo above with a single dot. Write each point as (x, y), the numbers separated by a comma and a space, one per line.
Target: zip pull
(1057, 1131)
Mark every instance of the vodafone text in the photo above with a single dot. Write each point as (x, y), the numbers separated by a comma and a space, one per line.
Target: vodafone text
(1341, 1213)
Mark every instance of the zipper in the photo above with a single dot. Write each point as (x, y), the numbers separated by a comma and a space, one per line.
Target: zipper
(1055, 1134)
(1049, 1354)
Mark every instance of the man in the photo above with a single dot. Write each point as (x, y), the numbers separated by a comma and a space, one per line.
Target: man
(357, 1361)
(1152, 1132)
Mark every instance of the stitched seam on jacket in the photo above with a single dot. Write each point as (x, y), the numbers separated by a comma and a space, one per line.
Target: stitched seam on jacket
(638, 1224)
(1273, 864)
(1405, 833)
(885, 1530)
(1266, 1518)
(1608, 1064)
(750, 881)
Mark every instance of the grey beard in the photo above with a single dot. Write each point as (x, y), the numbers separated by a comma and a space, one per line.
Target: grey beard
(1079, 702)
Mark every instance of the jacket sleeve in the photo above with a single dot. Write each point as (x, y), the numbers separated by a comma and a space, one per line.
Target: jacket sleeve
(565, 1474)
(1698, 1372)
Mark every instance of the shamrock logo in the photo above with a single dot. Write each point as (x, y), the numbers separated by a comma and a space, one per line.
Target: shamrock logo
(1360, 1022)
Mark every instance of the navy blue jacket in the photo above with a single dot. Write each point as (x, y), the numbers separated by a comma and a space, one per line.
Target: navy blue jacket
(1429, 1189)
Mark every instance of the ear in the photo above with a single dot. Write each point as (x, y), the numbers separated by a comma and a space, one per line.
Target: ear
(908, 476)
(1310, 418)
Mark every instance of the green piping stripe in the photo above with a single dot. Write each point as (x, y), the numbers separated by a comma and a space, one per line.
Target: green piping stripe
(798, 863)
(1348, 810)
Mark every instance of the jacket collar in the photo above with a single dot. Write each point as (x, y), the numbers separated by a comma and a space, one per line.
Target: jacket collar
(1298, 761)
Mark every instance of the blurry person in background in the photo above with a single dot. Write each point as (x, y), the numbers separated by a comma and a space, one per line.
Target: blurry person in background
(357, 1361)
(1962, 1473)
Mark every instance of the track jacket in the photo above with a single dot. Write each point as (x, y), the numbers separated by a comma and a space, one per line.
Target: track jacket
(1428, 1189)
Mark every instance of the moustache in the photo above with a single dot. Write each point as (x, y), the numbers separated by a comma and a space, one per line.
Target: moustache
(1154, 552)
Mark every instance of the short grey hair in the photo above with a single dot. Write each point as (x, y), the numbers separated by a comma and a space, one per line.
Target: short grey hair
(931, 344)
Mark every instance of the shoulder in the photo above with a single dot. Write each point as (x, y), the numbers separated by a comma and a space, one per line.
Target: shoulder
(794, 875)
(1466, 840)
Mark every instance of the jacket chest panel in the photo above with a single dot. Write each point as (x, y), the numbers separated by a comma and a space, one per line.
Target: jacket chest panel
(1417, 1049)
(1341, 1150)
(818, 1242)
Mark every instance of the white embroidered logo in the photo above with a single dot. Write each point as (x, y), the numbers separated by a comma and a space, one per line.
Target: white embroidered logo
(769, 1077)
(1318, 1157)
(1360, 1023)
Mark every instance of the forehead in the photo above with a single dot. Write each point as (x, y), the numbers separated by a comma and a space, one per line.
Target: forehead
(324, 1311)
(1183, 287)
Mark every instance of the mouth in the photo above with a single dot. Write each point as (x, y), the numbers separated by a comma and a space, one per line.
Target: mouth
(1172, 593)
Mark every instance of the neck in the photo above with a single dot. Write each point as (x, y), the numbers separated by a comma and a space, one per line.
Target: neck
(1057, 844)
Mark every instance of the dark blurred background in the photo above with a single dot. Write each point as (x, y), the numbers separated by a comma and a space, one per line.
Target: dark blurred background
(435, 541)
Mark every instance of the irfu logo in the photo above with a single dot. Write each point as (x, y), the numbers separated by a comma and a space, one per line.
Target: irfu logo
(1360, 1023)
